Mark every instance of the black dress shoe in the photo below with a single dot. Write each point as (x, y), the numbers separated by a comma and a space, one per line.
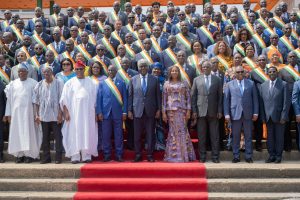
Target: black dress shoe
(19, 159)
(45, 161)
(236, 160)
(150, 159)
(215, 160)
(202, 160)
(138, 159)
(28, 160)
(107, 159)
(249, 160)
(75, 161)
(87, 161)
(277, 161)
(1, 158)
(270, 160)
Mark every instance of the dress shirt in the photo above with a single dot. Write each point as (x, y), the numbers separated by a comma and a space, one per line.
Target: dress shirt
(209, 80)
(146, 79)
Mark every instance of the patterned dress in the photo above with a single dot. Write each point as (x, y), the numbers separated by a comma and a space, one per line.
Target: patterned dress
(176, 102)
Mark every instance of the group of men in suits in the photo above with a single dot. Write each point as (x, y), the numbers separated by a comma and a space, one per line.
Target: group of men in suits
(123, 39)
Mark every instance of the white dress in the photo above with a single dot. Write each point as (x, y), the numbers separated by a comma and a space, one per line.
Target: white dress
(25, 135)
(80, 134)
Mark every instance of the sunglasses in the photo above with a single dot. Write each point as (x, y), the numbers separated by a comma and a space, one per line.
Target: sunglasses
(239, 72)
(99, 49)
(79, 69)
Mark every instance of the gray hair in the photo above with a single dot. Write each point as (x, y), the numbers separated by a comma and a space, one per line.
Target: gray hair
(205, 61)
(142, 62)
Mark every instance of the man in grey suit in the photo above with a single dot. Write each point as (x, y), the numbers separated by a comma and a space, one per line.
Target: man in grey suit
(275, 108)
(241, 108)
(144, 106)
(120, 14)
(207, 92)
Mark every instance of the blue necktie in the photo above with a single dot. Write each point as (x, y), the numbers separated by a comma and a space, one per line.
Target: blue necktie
(144, 85)
(241, 87)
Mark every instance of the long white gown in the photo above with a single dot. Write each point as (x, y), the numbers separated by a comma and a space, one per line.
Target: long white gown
(80, 133)
(25, 135)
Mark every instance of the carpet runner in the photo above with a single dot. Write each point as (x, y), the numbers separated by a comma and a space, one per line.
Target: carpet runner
(142, 181)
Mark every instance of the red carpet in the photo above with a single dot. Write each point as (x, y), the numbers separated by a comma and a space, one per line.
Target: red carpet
(142, 181)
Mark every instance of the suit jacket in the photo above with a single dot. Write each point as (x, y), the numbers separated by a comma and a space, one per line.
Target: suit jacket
(2, 99)
(203, 38)
(220, 75)
(72, 54)
(191, 72)
(236, 104)
(281, 49)
(45, 37)
(41, 59)
(71, 22)
(61, 47)
(98, 36)
(141, 18)
(52, 19)
(55, 66)
(91, 49)
(149, 103)
(2, 27)
(30, 50)
(275, 105)
(166, 61)
(106, 60)
(122, 16)
(207, 103)
(114, 43)
(155, 57)
(12, 49)
(163, 42)
(297, 27)
(296, 97)
(242, 21)
(30, 24)
(288, 78)
(265, 38)
(230, 43)
(130, 72)
(293, 41)
(278, 31)
(7, 71)
(135, 48)
(175, 28)
(108, 104)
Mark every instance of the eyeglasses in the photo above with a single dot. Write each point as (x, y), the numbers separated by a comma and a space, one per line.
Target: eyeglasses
(99, 49)
(181, 15)
(38, 48)
(239, 72)
(66, 64)
(79, 69)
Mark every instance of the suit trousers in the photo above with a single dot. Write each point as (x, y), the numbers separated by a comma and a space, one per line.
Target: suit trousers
(100, 137)
(142, 124)
(203, 125)
(110, 126)
(275, 139)
(287, 133)
(130, 133)
(258, 128)
(56, 128)
(1, 137)
(298, 136)
(236, 137)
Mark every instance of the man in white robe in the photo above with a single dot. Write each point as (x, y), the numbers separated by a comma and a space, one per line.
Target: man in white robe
(24, 137)
(78, 101)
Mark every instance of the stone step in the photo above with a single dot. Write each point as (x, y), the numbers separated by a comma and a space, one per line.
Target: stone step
(51, 185)
(253, 196)
(259, 170)
(254, 185)
(16, 195)
(289, 169)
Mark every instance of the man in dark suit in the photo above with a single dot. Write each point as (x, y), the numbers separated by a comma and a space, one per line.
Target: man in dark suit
(100, 57)
(202, 37)
(287, 29)
(87, 46)
(275, 108)
(2, 113)
(26, 45)
(286, 76)
(112, 111)
(246, 12)
(96, 34)
(64, 30)
(114, 43)
(130, 42)
(117, 14)
(9, 46)
(50, 62)
(38, 17)
(241, 108)
(229, 38)
(70, 19)
(265, 38)
(39, 32)
(159, 38)
(207, 92)
(294, 23)
(5, 69)
(166, 60)
(148, 50)
(58, 44)
(139, 15)
(144, 107)
(119, 33)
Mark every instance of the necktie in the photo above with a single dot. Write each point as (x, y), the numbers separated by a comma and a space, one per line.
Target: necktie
(57, 46)
(207, 83)
(144, 85)
(241, 87)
